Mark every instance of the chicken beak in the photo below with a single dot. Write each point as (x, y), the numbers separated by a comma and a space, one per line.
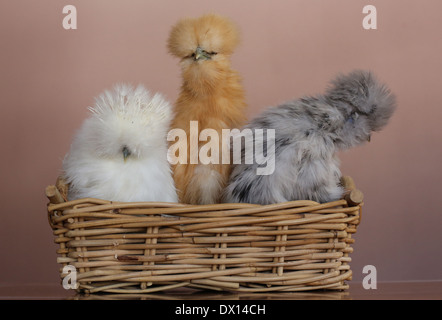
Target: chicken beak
(198, 53)
(201, 54)
(126, 153)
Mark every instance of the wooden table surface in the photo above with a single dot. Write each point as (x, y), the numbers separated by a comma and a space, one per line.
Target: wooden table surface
(431, 290)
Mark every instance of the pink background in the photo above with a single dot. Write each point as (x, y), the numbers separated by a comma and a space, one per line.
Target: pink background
(49, 75)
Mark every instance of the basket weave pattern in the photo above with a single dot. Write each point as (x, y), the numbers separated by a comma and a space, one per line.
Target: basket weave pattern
(144, 247)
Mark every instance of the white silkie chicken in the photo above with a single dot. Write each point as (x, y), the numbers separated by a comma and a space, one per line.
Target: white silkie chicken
(120, 152)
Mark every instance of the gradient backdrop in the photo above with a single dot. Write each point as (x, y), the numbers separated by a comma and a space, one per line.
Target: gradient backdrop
(49, 76)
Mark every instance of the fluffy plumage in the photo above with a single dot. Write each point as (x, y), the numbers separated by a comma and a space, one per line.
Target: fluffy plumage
(309, 132)
(211, 93)
(120, 152)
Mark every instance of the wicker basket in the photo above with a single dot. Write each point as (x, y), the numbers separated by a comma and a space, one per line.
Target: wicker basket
(145, 247)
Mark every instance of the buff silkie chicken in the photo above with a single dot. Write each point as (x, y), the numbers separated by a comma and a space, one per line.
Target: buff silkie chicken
(120, 151)
(308, 134)
(211, 95)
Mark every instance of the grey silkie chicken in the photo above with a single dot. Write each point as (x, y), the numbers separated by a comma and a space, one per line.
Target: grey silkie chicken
(308, 134)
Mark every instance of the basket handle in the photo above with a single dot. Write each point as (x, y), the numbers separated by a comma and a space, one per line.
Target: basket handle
(352, 195)
(54, 195)
(58, 193)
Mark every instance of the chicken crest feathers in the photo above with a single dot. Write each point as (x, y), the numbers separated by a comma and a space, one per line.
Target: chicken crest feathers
(129, 102)
(212, 32)
(366, 95)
